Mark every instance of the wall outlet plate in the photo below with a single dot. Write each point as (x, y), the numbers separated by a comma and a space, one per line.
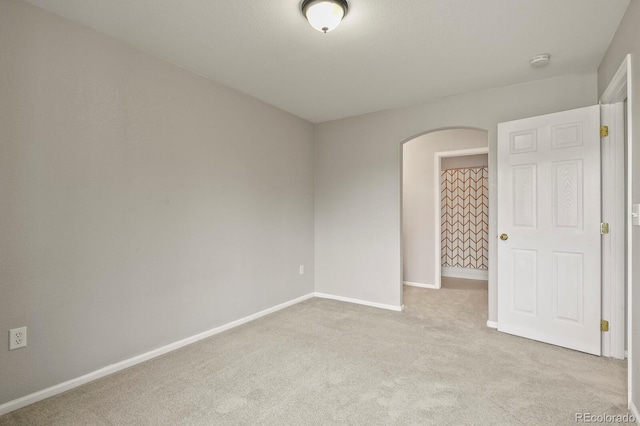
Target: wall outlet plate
(17, 338)
(301, 269)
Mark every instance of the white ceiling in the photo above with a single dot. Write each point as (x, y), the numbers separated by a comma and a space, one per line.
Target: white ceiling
(385, 54)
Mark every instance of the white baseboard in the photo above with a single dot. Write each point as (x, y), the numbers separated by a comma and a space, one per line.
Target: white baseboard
(113, 368)
(359, 302)
(492, 324)
(421, 285)
(466, 273)
(105, 371)
(634, 412)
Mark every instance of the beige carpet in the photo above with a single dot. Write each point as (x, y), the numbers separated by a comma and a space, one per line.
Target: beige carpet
(328, 362)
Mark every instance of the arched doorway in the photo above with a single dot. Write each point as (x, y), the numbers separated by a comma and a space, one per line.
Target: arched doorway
(464, 245)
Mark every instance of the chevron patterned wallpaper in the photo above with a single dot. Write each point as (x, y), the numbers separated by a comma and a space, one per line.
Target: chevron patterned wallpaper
(465, 217)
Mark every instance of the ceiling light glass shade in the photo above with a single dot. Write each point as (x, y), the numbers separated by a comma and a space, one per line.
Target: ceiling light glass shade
(324, 15)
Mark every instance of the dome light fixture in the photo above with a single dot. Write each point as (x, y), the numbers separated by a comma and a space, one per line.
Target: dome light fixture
(324, 15)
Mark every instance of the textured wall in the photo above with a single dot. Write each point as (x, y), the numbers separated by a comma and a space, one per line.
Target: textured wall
(358, 180)
(464, 226)
(141, 204)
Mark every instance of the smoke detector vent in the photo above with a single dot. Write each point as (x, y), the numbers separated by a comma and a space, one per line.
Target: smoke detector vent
(539, 61)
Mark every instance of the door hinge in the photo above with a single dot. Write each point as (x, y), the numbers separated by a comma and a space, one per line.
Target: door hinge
(604, 131)
(604, 228)
(604, 325)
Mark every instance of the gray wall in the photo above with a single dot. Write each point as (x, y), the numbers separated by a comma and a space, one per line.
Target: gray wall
(140, 203)
(357, 160)
(479, 160)
(418, 208)
(627, 40)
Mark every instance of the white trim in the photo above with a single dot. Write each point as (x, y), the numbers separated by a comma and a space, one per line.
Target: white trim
(634, 412)
(463, 152)
(396, 308)
(618, 314)
(621, 87)
(613, 244)
(617, 91)
(437, 236)
(466, 273)
(632, 67)
(421, 285)
(492, 324)
(113, 368)
(607, 167)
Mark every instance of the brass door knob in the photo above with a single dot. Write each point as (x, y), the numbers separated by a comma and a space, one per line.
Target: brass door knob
(504, 237)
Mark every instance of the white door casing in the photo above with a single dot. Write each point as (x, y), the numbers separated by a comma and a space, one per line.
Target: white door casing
(549, 282)
(613, 243)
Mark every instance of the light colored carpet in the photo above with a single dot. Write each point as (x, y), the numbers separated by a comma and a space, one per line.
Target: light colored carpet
(328, 362)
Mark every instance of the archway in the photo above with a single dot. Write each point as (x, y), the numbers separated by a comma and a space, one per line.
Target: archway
(421, 211)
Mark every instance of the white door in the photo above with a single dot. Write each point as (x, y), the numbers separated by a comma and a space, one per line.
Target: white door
(549, 218)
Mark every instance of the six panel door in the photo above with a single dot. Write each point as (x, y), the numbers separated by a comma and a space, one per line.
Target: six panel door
(549, 284)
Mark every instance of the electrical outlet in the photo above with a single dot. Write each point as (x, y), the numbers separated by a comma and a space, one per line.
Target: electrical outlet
(17, 338)
(301, 269)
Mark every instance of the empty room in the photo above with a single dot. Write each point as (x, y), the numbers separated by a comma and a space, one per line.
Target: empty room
(307, 212)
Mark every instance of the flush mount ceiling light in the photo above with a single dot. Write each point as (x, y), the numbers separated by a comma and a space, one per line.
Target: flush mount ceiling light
(324, 15)
(541, 60)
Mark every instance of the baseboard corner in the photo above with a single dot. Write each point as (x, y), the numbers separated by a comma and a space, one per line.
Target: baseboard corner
(396, 308)
(420, 285)
(492, 324)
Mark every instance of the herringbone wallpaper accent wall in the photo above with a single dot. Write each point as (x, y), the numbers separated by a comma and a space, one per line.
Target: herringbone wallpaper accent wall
(465, 217)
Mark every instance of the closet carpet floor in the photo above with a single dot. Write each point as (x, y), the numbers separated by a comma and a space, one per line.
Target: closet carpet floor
(329, 362)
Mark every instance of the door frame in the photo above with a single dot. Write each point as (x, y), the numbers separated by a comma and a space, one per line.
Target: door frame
(620, 88)
(613, 244)
(437, 161)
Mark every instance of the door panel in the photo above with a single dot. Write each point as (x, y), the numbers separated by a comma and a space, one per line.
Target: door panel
(525, 265)
(568, 283)
(567, 194)
(549, 209)
(524, 195)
